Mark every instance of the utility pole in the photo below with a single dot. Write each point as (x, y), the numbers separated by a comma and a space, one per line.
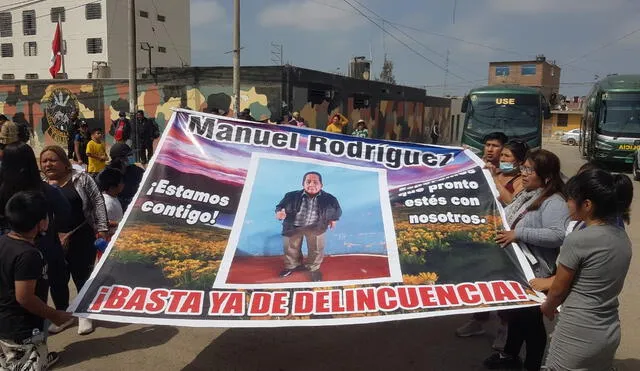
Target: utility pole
(133, 82)
(147, 47)
(236, 57)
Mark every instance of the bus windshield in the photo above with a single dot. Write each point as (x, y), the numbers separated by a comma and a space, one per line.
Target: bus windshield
(513, 114)
(620, 115)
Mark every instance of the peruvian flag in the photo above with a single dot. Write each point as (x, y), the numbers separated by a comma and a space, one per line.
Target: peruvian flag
(56, 57)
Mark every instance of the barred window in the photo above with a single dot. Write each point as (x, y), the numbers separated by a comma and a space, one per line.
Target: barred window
(58, 13)
(94, 45)
(29, 22)
(30, 49)
(31, 76)
(6, 26)
(161, 18)
(6, 50)
(8, 76)
(144, 14)
(93, 11)
(162, 49)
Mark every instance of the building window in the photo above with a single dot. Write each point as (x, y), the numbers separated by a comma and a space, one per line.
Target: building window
(58, 14)
(528, 69)
(64, 47)
(93, 11)
(31, 76)
(502, 70)
(29, 22)
(563, 120)
(6, 50)
(8, 76)
(162, 49)
(144, 14)
(94, 46)
(30, 49)
(6, 27)
(161, 18)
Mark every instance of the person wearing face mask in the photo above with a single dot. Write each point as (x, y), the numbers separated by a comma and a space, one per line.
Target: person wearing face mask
(122, 159)
(537, 217)
(507, 175)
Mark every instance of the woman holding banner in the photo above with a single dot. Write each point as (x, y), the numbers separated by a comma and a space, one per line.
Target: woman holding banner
(538, 217)
(88, 218)
(592, 267)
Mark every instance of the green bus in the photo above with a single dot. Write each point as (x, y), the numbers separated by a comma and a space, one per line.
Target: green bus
(611, 120)
(517, 111)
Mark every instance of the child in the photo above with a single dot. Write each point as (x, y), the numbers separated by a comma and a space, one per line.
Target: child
(23, 287)
(96, 152)
(110, 182)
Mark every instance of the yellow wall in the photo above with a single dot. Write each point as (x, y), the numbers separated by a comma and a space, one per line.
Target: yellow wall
(551, 125)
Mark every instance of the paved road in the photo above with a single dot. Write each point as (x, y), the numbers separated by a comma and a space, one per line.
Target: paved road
(427, 344)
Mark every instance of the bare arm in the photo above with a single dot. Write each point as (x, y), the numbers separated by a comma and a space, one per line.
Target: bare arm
(26, 297)
(559, 290)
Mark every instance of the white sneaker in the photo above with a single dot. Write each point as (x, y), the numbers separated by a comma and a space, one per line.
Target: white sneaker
(54, 329)
(471, 328)
(85, 326)
(501, 337)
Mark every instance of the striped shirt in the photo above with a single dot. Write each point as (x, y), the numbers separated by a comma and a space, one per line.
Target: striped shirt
(308, 214)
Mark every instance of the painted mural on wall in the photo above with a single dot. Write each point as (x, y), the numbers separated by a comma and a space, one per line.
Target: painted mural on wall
(47, 108)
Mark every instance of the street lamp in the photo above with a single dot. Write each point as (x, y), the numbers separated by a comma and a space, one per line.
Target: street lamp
(147, 47)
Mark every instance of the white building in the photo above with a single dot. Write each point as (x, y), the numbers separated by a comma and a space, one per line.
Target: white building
(93, 31)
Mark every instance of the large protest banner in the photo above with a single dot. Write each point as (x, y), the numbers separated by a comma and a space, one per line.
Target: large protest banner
(241, 224)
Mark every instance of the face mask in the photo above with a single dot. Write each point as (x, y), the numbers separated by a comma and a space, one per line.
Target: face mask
(507, 167)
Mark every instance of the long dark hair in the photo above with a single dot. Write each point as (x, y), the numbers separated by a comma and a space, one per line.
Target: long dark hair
(519, 150)
(19, 172)
(547, 165)
(610, 194)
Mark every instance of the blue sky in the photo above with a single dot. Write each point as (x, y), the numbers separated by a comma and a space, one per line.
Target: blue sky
(324, 34)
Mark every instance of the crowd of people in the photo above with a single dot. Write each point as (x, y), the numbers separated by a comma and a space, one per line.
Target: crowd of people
(580, 255)
(51, 215)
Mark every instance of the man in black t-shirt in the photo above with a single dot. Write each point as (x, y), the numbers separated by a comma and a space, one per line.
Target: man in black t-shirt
(23, 286)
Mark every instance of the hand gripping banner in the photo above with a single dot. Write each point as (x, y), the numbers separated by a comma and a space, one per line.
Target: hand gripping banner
(243, 224)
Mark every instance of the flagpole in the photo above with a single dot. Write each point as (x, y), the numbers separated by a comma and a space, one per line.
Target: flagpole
(62, 49)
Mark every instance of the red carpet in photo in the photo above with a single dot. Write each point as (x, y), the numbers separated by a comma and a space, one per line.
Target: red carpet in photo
(266, 269)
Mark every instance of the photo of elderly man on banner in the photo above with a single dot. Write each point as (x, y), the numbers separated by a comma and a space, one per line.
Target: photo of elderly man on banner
(246, 224)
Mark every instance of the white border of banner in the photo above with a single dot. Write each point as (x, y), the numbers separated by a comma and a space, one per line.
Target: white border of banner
(285, 323)
(387, 219)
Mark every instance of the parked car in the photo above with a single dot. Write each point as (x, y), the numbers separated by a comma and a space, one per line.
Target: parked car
(636, 165)
(571, 137)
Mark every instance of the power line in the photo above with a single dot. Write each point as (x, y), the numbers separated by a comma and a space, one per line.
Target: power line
(475, 43)
(445, 57)
(20, 4)
(169, 35)
(402, 42)
(603, 46)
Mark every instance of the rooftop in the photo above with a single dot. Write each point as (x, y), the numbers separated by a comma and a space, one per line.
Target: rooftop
(517, 89)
